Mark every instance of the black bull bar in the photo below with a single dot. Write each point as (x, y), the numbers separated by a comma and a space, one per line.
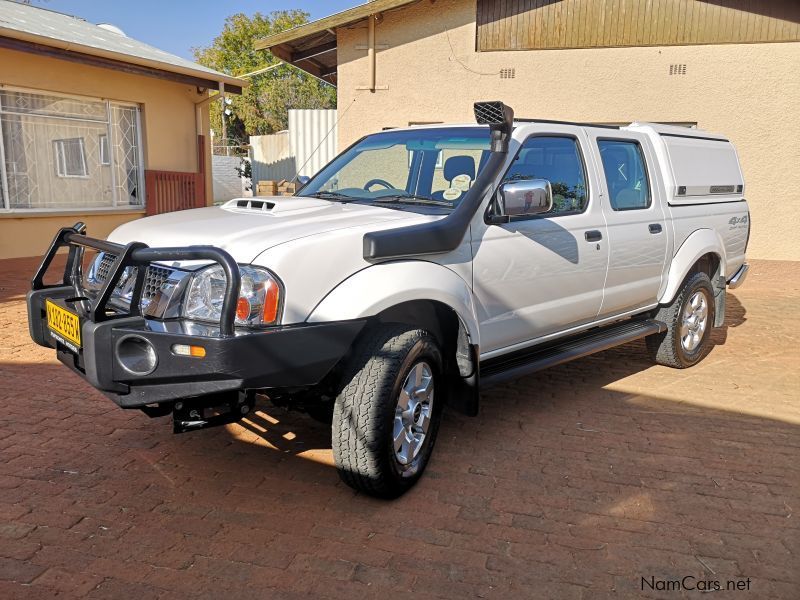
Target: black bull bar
(134, 254)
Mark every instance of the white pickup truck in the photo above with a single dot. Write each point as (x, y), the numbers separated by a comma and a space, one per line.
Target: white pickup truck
(420, 266)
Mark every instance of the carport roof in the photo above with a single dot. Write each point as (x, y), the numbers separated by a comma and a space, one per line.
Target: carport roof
(58, 35)
(312, 47)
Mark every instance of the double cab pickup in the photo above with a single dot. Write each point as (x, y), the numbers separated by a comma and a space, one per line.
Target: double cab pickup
(419, 267)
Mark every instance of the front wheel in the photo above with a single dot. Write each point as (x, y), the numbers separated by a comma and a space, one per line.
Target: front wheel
(386, 417)
(689, 318)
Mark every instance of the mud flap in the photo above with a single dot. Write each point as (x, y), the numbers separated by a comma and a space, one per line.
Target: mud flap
(465, 391)
(720, 295)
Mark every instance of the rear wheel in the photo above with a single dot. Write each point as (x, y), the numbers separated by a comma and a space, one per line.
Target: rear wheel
(689, 319)
(386, 418)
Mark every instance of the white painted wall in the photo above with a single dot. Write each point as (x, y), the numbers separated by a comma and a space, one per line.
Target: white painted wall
(227, 183)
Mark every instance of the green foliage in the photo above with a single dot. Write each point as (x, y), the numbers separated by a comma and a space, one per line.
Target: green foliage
(245, 171)
(264, 105)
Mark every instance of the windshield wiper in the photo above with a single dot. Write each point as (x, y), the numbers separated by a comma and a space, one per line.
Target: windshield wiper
(412, 199)
(336, 196)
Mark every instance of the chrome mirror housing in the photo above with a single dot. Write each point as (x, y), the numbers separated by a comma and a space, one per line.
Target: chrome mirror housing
(525, 197)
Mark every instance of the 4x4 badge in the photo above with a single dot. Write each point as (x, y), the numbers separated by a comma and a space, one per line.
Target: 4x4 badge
(737, 221)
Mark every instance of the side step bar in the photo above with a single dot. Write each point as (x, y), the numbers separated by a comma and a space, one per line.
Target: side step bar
(504, 368)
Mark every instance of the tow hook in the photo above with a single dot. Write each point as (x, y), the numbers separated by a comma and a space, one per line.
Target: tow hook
(191, 414)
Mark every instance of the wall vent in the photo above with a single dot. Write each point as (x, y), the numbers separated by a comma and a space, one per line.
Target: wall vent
(677, 69)
(509, 73)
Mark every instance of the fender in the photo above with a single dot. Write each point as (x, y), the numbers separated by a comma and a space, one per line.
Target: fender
(700, 242)
(381, 286)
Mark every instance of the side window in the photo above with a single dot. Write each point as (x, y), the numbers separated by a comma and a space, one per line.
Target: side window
(558, 160)
(626, 176)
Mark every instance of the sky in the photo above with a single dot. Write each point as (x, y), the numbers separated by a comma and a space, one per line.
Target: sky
(177, 26)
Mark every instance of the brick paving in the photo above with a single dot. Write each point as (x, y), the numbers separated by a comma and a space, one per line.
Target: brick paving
(574, 483)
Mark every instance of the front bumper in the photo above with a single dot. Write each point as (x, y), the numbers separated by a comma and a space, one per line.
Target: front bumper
(297, 356)
(283, 357)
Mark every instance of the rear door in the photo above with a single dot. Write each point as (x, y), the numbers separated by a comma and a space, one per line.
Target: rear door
(633, 206)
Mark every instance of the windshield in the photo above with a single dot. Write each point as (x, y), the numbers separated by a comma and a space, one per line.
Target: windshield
(410, 169)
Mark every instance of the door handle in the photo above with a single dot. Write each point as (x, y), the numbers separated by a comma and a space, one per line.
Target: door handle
(593, 236)
(654, 227)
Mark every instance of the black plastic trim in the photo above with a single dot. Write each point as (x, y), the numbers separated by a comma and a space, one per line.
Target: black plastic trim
(677, 204)
(530, 360)
(446, 234)
(576, 123)
(439, 236)
(694, 137)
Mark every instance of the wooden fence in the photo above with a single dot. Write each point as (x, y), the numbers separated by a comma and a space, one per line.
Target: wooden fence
(168, 191)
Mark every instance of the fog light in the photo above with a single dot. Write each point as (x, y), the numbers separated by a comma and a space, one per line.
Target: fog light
(185, 350)
(136, 355)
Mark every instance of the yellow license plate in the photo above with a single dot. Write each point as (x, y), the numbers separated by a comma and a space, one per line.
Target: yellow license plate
(63, 323)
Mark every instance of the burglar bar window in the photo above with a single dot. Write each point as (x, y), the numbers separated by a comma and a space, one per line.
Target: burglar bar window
(70, 158)
(52, 146)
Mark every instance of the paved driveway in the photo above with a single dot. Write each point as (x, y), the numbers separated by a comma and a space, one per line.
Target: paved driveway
(591, 480)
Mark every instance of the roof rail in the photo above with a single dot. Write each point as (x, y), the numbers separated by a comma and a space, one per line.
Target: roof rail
(553, 122)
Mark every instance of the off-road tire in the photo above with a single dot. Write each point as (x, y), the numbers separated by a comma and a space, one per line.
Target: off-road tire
(364, 411)
(666, 348)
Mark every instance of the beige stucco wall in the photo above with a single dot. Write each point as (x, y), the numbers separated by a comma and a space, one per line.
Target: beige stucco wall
(169, 135)
(750, 93)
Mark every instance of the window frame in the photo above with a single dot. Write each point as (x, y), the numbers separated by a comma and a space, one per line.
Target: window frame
(548, 215)
(59, 147)
(646, 171)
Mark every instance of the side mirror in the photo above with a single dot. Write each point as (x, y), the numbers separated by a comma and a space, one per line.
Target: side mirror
(303, 179)
(525, 197)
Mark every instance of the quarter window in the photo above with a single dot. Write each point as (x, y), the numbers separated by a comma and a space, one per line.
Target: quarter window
(558, 160)
(626, 177)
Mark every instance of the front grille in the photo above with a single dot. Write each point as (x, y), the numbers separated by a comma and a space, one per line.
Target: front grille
(104, 268)
(153, 279)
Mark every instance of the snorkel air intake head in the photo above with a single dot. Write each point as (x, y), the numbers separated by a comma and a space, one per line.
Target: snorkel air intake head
(500, 119)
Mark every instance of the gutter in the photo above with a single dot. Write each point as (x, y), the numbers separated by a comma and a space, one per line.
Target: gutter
(126, 58)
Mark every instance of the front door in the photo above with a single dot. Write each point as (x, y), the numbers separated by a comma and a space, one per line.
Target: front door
(637, 229)
(539, 275)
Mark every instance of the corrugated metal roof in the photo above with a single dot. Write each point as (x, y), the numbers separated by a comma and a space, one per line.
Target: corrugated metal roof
(50, 28)
(312, 46)
(351, 15)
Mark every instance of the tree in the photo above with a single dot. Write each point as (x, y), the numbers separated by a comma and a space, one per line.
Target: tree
(263, 106)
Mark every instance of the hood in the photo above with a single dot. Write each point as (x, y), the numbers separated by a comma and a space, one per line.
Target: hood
(246, 227)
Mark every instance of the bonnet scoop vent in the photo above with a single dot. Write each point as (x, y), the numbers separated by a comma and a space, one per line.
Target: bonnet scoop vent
(274, 205)
(260, 205)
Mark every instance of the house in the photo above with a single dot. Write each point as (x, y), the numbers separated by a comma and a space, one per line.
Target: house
(731, 66)
(95, 127)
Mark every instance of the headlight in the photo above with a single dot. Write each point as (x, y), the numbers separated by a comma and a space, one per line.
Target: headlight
(259, 296)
